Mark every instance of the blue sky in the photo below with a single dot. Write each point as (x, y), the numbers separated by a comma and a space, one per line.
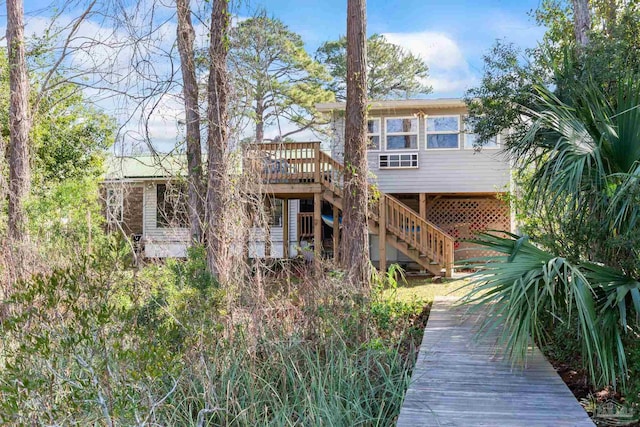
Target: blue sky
(451, 36)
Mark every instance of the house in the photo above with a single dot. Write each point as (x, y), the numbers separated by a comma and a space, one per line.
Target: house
(140, 202)
(421, 153)
(433, 189)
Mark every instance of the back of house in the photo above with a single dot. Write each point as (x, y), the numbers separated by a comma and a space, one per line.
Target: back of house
(421, 157)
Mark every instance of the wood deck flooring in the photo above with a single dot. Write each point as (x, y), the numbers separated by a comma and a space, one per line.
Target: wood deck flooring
(461, 381)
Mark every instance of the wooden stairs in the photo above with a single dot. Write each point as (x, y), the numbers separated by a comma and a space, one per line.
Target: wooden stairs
(297, 164)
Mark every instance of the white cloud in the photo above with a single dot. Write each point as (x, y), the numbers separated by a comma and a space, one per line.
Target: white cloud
(523, 32)
(449, 71)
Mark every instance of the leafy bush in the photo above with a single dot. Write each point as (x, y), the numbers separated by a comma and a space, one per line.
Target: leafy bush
(632, 345)
(94, 344)
(71, 353)
(193, 271)
(65, 219)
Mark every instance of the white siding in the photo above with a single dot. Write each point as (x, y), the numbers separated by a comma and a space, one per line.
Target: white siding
(439, 171)
(257, 237)
(337, 137)
(153, 233)
(455, 171)
(163, 242)
(165, 250)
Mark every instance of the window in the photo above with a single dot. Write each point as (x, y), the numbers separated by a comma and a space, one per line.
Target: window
(402, 133)
(274, 207)
(115, 200)
(443, 132)
(398, 161)
(373, 134)
(171, 206)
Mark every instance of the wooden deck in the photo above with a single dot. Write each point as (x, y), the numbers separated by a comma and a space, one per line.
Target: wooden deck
(462, 381)
(301, 170)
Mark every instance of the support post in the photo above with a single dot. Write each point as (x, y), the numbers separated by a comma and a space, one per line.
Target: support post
(336, 233)
(285, 228)
(448, 257)
(382, 233)
(422, 205)
(317, 224)
(316, 161)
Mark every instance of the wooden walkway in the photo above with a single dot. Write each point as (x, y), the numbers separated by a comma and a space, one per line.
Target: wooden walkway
(462, 381)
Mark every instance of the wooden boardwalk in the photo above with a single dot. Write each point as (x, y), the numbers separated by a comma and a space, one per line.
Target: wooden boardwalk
(462, 381)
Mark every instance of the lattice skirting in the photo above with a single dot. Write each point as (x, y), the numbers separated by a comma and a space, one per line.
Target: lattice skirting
(463, 217)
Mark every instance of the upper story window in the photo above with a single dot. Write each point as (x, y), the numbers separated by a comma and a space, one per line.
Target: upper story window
(115, 201)
(373, 134)
(402, 133)
(443, 132)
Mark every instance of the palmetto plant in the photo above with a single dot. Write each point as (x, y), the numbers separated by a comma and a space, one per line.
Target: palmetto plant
(582, 150)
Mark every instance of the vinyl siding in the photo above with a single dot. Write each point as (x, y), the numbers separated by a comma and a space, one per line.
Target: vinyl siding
(257, 246)
(152, 233)
(439, 171)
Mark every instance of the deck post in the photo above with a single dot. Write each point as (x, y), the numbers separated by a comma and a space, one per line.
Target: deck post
(382, 234)
(285, 228)
(423, 205)
(317, 224)
(316, 161)
(336, 233)
(423, 214)
(448, 258)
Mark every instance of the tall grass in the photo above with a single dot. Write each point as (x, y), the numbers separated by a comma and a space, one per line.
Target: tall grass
(291, 383)
(97, 345)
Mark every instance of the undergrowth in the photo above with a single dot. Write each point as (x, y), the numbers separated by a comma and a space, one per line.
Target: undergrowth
(166, 345)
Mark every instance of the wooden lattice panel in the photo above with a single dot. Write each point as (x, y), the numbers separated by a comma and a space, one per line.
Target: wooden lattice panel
(462, 218)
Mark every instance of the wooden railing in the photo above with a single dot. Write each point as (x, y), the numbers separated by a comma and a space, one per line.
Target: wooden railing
(331, 173)
(305, 225)
(304, 162)
(281, 162)
(417, 232)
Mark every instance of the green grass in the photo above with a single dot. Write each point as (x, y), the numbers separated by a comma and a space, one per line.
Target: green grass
(424, 290)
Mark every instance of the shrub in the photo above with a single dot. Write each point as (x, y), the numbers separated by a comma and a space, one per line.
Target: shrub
(94, 344)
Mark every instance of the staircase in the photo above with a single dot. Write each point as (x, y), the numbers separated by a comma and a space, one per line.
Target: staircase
(295, 164)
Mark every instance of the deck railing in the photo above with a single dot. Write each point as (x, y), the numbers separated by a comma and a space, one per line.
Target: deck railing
(304, 162)
(281, 162)
(417, 232)
(305, 225)
(331, 173)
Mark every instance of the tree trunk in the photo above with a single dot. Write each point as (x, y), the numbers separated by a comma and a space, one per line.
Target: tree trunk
(581, 22)
(218, 188)
(186, 37)
(19, 173)
(259, 119)
(259, 130)
(355, 238)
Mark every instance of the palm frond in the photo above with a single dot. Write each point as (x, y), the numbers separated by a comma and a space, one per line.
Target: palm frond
(522, 284)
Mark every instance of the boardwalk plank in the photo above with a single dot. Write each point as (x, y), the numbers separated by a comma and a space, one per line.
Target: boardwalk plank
(460, 380)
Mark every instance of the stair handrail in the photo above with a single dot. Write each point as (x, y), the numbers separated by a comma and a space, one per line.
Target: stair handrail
(420, 233)
(423, 235)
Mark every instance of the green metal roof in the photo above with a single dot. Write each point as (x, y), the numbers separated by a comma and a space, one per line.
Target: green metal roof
(159, 166)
